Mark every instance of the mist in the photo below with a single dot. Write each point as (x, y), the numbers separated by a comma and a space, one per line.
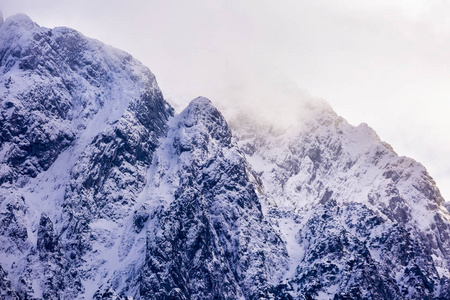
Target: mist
(384, 63)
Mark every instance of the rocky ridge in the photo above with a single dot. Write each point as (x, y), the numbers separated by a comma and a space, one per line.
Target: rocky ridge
(106, 193)
(347, 195)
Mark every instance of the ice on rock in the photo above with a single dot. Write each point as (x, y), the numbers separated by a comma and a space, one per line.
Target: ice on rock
(18, 22)
(342, 187)
(105, 193)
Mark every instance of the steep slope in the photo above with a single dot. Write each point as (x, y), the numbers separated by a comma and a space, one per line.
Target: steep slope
(105, 193)
(53, 83)
(79, 124)
(93, 208)
(367, 223)
(211, 239)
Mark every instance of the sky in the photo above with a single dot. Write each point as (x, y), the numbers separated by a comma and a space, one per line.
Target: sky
(385, 62)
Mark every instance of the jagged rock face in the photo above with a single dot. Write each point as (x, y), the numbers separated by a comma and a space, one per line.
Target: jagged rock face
(211, 240)
(88, 118)
(368, 224)
(53, 82)
(7, 292)
(354, 252)
(106, 194)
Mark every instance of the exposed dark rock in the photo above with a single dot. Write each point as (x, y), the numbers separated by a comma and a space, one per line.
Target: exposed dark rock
(6, 290)
(215, 199)
(105, 193)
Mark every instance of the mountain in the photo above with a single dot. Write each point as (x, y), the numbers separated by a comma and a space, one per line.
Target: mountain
(107, 193)
(360, 222)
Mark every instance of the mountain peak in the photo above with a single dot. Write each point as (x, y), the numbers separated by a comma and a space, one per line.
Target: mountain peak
(19, 20)
(201, 113)
(201, 101)
(201, 108)
(98, 176)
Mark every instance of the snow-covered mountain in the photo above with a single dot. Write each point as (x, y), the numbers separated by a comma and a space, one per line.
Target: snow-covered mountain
(359, 221)
(106, 193)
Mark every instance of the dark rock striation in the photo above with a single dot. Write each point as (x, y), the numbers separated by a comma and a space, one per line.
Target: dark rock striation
(106, 193)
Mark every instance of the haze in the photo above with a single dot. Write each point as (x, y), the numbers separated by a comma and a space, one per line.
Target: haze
(385, 63)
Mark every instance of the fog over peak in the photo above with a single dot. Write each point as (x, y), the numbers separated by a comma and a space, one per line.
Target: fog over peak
(384, 62)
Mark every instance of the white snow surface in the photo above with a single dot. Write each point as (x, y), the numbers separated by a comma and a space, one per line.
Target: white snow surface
(94, 108)
(314, 160)
(323, 158)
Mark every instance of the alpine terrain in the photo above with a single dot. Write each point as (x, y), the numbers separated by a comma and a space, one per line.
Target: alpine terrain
(107, 193)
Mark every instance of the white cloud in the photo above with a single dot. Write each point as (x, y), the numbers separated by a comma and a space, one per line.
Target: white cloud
(381, 62)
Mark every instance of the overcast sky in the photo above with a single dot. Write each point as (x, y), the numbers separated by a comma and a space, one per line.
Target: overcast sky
(385, 62)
